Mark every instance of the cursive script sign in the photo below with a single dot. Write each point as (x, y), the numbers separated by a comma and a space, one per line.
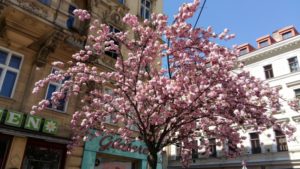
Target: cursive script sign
(109, 141)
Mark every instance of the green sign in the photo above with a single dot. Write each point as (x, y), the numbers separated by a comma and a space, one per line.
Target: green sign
(50, 126)
(14, 119)
(33, 123)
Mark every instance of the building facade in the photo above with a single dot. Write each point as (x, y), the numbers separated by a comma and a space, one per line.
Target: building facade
(33, 34)
(276, 61)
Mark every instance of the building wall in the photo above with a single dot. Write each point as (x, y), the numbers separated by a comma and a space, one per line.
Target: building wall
(39, 33)
(276, 54)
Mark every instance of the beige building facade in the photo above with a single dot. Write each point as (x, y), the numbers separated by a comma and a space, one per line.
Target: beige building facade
(33, 34)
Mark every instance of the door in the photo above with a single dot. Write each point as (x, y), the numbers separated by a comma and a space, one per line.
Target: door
(5, 141)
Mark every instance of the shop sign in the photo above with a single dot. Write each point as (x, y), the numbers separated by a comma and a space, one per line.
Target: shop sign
(34, 123)
(113, 142)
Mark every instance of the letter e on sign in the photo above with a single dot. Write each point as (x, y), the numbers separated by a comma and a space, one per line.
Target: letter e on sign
(14, 119)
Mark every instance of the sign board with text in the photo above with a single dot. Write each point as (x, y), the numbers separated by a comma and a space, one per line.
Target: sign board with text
(29, 122)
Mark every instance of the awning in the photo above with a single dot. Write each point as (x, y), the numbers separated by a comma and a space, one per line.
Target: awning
(47, 138)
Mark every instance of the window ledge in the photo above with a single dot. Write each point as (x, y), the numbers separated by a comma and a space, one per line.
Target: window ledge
(7, 99)
(57, 111)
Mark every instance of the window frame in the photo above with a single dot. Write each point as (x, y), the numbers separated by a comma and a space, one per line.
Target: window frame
(243, 51)
(143, 7)
(296, 93)
(213, 147)
(268, 72)
(5, 67)
(71, 16)
(280, 135)
(293, 62)
(264, 43)
(290, 33)
(113, 54)
(58, 87)
(105, 89)
(257, 149)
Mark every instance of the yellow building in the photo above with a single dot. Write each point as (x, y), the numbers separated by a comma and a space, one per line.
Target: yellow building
(32, 35)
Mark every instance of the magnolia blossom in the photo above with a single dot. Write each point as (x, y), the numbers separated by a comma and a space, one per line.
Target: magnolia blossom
(201, 97)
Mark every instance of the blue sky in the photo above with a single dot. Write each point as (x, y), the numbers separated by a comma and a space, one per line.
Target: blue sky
(248, 19)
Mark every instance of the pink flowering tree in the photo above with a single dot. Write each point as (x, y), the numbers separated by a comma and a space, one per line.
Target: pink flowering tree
(197, 95)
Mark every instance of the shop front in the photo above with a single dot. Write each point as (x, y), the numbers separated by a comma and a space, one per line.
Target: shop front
(30, 142)
(111, 152)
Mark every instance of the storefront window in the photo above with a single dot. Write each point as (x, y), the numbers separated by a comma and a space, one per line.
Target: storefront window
(43, 155)
(5, 141)
(114, 163)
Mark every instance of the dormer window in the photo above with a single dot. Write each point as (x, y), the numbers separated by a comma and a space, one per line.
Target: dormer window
(243, 51)
(263, 43)
(287, 35)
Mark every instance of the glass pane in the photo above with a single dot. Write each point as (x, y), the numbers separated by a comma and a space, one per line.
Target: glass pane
(15, 61)
(40, 157)
(3, 56)
(147, 16)
(121, 1)
(8, 83)
(46, 2)
(71, 9)
(148, 4)
(62, 103)
(142, 12)
(51, 89)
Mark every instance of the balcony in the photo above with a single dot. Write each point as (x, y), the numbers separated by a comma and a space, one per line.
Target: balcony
(58, 13)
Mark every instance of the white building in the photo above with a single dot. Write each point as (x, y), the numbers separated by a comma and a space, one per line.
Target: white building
(275, 60)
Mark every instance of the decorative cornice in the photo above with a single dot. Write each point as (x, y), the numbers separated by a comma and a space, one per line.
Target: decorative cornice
(48, 47)
(269, 51)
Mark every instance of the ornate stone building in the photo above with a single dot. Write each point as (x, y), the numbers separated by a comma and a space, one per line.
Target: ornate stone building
(34, 33)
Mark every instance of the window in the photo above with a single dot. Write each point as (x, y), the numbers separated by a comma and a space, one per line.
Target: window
(10, 64)
(145, 9)
(122, 1)
(286, 35)
(281, 141)
(263, 43)
(56, 86)
(46, 2)
(195, 150)
(293, 63)
(113, 53)
(71, 19)
(232, 148)
(255, 145)
(297, 93)
(243, 51)
(268, 71)
(178, 151)
(43, 155)
(212, 147)
(109, 118)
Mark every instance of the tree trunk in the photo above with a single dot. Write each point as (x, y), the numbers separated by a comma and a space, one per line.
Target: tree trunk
(152, 160)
